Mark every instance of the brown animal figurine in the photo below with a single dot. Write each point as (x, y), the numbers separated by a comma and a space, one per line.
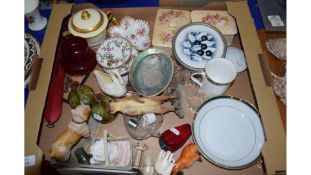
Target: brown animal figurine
(77, 128)
(141, 105)
(188, 155)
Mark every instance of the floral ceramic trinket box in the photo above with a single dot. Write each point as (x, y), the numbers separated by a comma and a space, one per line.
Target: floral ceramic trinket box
(116, 54)
(167, 22)
(219, 19)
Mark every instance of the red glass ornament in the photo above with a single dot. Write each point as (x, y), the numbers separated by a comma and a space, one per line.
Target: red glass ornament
(174, 138)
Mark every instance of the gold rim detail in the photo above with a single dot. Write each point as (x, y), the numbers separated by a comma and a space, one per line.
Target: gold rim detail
(85, 16)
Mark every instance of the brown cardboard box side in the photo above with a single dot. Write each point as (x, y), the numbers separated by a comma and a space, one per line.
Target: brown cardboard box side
(274, 150)
(36, 98)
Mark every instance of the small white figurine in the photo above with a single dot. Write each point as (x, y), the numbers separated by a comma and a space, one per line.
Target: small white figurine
(148, 168)
(164, 163)
(111, 84)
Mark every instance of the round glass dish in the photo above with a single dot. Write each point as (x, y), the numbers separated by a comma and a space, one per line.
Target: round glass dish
(151, 72)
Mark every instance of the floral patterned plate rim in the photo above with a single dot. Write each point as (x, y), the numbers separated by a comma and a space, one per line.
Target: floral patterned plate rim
(125, 68)
(196, 43)
(113, 52)
(30, 53)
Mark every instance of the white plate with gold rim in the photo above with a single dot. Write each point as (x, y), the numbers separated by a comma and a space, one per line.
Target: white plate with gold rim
(228, 132)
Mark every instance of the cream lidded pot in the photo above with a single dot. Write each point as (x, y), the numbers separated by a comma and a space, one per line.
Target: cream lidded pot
(90, 24)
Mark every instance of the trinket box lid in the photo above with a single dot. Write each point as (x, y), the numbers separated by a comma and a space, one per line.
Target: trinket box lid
(88, 23)
(114, 52)
(220, 19)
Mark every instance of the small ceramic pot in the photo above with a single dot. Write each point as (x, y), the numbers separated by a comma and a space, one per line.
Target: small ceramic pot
(90, 24)
(33, 16)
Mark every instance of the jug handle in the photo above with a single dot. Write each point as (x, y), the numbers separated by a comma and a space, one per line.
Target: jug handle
(196, 80)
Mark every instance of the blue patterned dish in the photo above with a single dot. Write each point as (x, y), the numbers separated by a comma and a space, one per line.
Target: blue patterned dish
(197, 43)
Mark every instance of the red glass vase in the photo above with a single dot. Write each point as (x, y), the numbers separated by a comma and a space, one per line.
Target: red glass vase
(77, 58)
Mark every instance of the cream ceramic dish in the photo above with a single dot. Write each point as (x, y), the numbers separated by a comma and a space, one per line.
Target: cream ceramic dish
(90, 24)
(228, 132)
(136, 31)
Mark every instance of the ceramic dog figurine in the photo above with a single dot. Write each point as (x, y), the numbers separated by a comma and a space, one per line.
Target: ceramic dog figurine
(77, 128)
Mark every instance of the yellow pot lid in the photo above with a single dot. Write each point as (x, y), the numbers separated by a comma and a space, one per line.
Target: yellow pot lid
(88, 23)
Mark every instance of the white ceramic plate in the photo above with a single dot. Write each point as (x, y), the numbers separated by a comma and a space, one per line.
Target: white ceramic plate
(182, 35)
(236, 56)
(228, 132)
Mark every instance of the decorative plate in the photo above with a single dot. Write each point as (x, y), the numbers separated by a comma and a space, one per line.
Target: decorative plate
(236, 56)
(196, 43)
(113, 53)
(228, 132)
(137, 32)
(277, 47)
(125, 68)
(151, 72)
(279, 87)
(31, 50)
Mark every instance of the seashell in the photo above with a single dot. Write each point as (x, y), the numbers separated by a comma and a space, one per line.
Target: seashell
(209, 37)
(126, 22)
(141, 24)
(141, 43)
(187, 51)
(279, 87)
(115, 31)
(206, 57)
(191, 37)
(187, 44)
(196, 57)
(208, 43)
(137, 32)
(212, 49)
(277, 47)
(198, 37)
(196, 48)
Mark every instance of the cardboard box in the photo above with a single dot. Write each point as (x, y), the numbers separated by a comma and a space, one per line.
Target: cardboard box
(251, 87)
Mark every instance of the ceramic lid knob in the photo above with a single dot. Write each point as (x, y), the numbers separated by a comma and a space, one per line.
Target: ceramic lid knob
(88, 23)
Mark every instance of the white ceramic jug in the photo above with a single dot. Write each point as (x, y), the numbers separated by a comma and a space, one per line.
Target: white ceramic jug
(111, 84)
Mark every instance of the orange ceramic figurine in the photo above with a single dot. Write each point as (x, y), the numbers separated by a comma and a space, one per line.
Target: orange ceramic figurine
(188, 155)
